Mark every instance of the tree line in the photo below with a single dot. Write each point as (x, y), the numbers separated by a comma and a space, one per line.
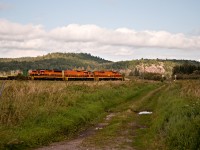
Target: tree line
(186, 71)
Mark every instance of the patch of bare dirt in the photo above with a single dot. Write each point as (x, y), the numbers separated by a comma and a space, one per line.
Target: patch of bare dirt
(76, 144)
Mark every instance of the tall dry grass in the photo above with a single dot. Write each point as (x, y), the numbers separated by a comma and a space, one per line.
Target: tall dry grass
(178, 116)
(191, 88)
(38, 112)
(22, 99)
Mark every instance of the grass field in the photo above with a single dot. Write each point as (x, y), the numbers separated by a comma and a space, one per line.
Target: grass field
(173, 124)
(35, 113)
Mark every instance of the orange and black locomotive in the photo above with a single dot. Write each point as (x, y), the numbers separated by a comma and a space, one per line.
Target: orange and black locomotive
(74, 75)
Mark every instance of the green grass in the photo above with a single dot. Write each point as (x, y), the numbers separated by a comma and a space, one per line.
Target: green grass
(35, 113)
(175, 122)
(119, 128)
(179, 121)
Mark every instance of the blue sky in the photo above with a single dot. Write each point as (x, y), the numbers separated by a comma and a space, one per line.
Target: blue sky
(152, 21)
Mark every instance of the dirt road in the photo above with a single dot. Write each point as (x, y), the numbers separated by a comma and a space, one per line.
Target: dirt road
(115, 131)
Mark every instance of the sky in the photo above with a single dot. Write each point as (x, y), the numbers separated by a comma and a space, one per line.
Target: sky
(112, 29)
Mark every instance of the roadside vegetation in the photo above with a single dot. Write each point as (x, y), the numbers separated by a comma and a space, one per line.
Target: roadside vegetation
(34, 113)
(175, 119)
(177, 116)
(173, 124)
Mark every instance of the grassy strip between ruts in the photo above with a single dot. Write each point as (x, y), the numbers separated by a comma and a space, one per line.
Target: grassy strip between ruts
(122, 128)
(175, 122)
(37, 113)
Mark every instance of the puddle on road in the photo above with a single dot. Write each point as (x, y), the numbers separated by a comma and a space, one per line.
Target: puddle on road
(145, 113)
(110, 116)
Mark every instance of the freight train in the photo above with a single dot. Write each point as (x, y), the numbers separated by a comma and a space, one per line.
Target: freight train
(70, 75)
(74, 75)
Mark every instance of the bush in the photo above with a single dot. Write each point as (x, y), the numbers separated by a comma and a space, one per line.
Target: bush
(187, 76)
(153, 76)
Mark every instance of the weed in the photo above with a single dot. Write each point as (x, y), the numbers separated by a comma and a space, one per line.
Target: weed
(39, 112)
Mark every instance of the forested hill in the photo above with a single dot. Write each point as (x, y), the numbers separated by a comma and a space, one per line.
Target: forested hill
(84, 61)
(53, 61)
(156, 66)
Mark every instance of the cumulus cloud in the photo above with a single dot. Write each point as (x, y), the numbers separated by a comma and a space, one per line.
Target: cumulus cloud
(121, 42)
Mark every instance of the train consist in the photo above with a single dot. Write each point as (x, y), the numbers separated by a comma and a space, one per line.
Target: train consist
(74, 75)
(66, 75)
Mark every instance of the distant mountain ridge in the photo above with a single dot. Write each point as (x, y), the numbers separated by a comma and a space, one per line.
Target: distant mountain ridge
(83, 56)
(52, 61)
(84, 61)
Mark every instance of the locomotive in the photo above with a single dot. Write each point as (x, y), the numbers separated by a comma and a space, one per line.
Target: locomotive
(74, 75)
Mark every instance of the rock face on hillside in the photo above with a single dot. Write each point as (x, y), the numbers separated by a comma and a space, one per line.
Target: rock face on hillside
(153, 68)
(144, 68)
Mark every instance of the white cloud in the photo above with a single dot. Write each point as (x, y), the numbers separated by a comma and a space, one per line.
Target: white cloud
(24, 53)
(17, 32)
(121, 43)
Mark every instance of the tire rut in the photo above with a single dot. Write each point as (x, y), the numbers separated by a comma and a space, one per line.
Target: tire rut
(78, 142)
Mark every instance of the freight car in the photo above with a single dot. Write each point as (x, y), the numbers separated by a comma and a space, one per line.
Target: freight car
(74, 75)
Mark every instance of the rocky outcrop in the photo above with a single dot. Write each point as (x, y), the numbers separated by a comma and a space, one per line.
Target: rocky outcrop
(153, 68)
(145, 68)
